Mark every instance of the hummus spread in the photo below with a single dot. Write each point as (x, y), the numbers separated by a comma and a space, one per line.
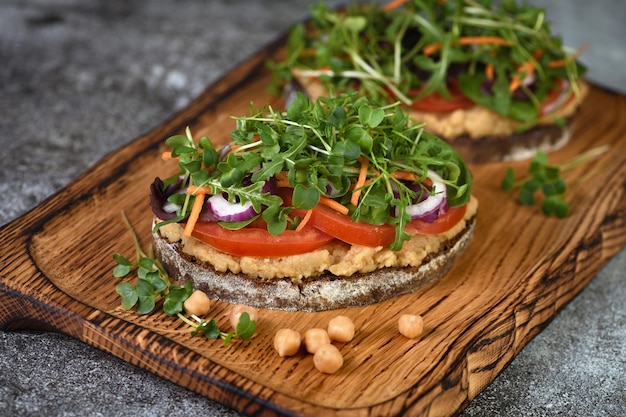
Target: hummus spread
(338, 258)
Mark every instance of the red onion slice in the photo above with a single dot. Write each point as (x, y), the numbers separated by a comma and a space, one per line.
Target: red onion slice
(561, 99)
(159, 194)
(270, 186)
(435, 203)
(170, 207)
(223, 210)
(529, 79)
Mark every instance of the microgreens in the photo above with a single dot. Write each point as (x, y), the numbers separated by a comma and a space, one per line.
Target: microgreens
(408, 52)
(195, 162)
(547, 178)
(152, 284)
(316, 145)
(245, 328)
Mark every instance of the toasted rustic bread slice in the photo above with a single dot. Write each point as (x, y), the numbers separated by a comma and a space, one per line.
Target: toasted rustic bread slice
(514, 147)
(324, 292)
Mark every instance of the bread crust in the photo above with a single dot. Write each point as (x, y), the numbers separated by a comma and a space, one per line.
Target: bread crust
(515, 147)
(325, 292)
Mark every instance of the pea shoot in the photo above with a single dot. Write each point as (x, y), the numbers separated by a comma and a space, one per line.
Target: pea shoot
(153, 284)
(546, 178)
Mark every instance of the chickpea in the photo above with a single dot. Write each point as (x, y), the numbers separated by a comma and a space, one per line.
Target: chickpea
(237, 310)
(328, 359)
(287, 342)
(411, 325)
(314, 338)
(198, 303)
(341, 329)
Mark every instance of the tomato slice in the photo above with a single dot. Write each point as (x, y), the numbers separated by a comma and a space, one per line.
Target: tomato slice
(435, 102)
(343, 228)
(254, 241)
(441, 225)
(323, 227)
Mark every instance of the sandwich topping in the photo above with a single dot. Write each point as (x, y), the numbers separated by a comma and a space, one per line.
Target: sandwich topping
(341, 184)
(446, 58)
(478, 121)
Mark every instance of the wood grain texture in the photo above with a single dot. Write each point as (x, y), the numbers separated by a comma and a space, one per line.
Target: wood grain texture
(520, 269)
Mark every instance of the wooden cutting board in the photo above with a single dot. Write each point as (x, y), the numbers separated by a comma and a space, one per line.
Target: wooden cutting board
(520, 269)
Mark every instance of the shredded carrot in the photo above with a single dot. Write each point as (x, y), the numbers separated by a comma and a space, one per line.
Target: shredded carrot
(167, 156)
(304, 220)
(489, 71)
(405, 175)
(562, 62)
(485, 40)
(557, 63)
(335, 205)
(527, 69)
(194, 215)
(468, 40)
(393, 4)
(360, 182)
(515, 83)
(410, 176)
(194, 189)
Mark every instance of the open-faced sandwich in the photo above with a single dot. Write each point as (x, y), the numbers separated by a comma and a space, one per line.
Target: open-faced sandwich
(334, 203)
(486, 76)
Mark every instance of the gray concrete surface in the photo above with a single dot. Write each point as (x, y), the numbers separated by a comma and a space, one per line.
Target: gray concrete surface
(79, 79)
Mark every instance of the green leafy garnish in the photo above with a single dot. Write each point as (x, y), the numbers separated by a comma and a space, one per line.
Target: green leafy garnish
(152, 285)
(420, 48)
(209, 329)
(317, 145)
(547, 179)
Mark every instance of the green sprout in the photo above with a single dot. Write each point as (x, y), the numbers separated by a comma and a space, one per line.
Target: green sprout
(547, 178)
(152, 284)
